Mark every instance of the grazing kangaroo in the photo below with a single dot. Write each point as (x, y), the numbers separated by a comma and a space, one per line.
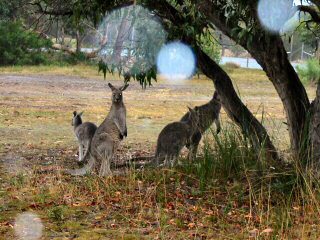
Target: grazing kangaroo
(174, 137)
(208, 113)
(107, 137)
(84, 133)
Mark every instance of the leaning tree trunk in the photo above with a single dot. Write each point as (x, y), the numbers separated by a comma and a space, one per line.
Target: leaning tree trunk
(270, 53)
(234, 107)
(232, 104)
(273, 58)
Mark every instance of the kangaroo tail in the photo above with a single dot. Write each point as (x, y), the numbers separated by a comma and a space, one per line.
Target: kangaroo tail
(82, 171)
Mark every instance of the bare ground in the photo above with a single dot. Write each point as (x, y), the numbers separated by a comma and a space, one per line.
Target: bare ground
(36, 110)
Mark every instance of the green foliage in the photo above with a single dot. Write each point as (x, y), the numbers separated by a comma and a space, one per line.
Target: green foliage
(310, 73)
(228, 155)
(309, 33)
(57, 213)
(9, 9)
(19, 47)
(210, 46)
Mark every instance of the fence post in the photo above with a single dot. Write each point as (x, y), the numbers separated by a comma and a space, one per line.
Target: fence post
(302, 50)
(291, 48)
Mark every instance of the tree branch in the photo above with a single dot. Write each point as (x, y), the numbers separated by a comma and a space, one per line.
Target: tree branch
(53, 12)
(233, 105)
(311, 10)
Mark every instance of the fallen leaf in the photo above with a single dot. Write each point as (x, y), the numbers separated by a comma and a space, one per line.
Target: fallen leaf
(254, 232)
(191, 225)
(267, 230)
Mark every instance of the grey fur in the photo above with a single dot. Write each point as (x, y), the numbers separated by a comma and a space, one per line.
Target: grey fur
(208, 113)
(174, 137)
(107, 137)
(84, 133)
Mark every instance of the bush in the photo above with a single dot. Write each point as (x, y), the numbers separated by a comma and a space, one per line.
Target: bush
(210, 45)
(20, 47)
(310, 72)
(232, 65)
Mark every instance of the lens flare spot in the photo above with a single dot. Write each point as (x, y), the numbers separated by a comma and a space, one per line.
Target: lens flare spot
(130, 39)
(28, 226)
(273, 14)
(176, 61)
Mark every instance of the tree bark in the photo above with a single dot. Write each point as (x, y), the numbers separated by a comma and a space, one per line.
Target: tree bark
(317, 53)
(122, 36)
(270, 53)
(79, 40)
(232, 104)
(234, 107)
(315, 130)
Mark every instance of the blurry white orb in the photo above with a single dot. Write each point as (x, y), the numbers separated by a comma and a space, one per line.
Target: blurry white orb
(273, 14)
(28, 226)
(131, 37)
(176, 61)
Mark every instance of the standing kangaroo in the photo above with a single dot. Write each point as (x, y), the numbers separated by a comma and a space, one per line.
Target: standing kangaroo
(84, 133)
(208, 113)
(174, 137)
(107, 137)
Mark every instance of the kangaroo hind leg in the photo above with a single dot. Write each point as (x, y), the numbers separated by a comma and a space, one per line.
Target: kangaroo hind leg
(105, 164)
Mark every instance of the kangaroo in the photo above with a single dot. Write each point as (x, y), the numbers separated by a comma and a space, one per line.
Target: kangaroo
(174, 137)
(107, 137)
(84, 133)
(208, 113)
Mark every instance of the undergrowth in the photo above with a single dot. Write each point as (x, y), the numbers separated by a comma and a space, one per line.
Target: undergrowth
(226, 193)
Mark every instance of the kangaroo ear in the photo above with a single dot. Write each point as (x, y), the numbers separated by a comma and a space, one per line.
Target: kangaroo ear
(216, 95)
(80, 114)
(124, 87)
(111, 86)
(75, 113)
(191, 110)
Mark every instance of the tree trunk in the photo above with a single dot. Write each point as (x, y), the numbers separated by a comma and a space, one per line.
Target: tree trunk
(122, 36)
(62, 33)
(232, 104)
(315, 130)
(274, 60)
(234, 107)
(270, 53)
(78, 39)
(317, 53)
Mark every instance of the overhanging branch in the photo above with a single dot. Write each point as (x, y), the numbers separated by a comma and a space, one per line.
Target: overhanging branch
(52, 12)
(315, 15)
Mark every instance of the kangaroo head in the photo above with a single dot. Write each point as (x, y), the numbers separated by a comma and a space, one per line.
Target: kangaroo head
(117, 92)
(76, 120)
(194, 116)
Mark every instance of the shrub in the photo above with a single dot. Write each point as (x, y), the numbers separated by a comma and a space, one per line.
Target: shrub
(210, 45)
(310, 72)
(19, 47)
(231, 65)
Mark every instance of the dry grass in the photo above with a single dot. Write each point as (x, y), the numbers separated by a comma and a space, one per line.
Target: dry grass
(35, 125)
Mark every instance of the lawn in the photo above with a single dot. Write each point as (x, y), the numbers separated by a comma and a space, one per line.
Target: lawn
(35, 125)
